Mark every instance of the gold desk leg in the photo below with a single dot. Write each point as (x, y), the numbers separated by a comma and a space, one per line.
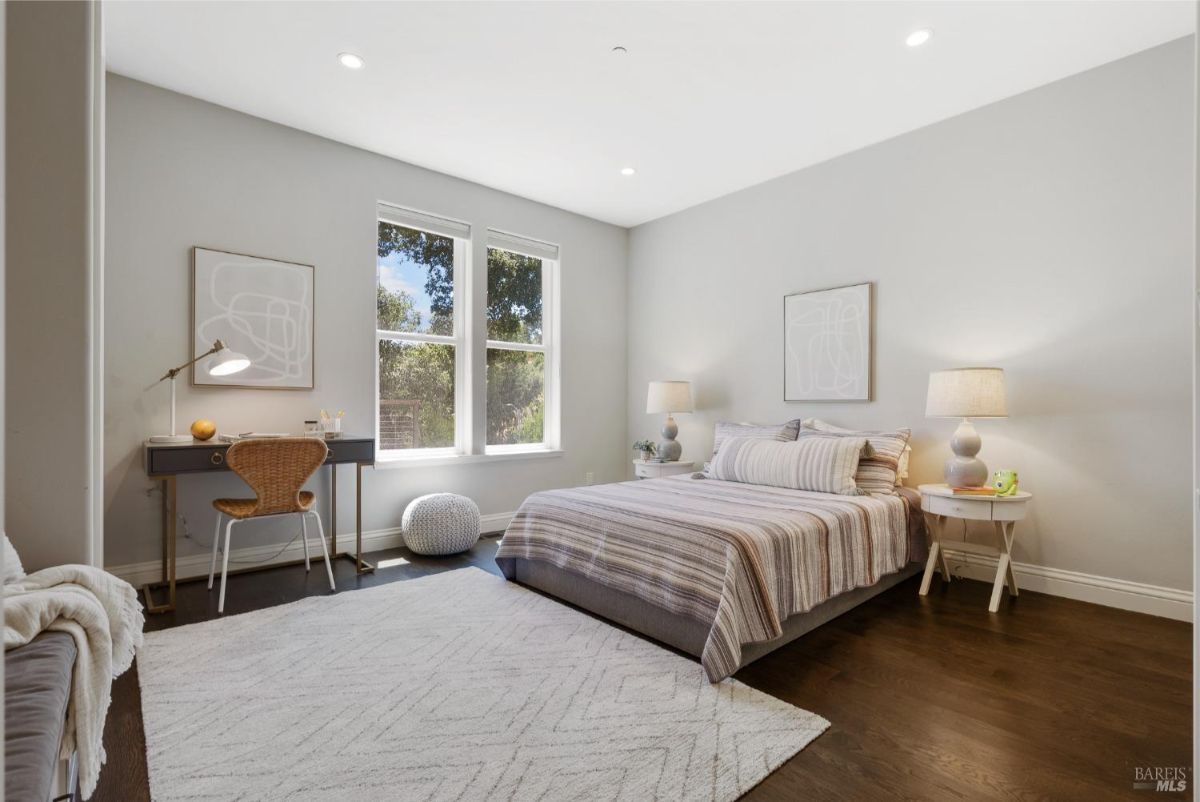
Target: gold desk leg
(170, 488)
(359, 565)
(333, 509)
(164, 529)
(170, 515)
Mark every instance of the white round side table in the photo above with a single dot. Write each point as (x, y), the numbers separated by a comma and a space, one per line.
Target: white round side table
(940, 502)
(649, 469)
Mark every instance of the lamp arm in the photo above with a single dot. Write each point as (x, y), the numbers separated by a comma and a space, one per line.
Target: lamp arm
(173, 372)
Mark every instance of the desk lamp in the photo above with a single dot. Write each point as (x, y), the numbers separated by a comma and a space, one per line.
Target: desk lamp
(225, 362)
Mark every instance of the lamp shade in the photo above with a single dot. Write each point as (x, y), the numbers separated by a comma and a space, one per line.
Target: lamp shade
(226, 362)
(966, 393)
(669, 396)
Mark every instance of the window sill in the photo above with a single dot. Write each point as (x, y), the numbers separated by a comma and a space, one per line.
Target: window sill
(388, 462)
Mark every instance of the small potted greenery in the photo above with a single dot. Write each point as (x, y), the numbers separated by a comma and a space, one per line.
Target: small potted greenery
(646, 448)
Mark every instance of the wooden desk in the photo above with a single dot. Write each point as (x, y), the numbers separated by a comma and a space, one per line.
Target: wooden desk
(167, 461)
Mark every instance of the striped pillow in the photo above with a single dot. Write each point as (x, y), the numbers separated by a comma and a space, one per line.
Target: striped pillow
(819, 464)
(879, 467)
(822, 426)
(762, 431)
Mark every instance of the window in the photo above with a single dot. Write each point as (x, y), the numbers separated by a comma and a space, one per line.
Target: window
(454, 383)
(419, 332)
(521, 409)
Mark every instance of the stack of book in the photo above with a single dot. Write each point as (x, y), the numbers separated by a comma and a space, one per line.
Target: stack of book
(233, 438)
(974, 491)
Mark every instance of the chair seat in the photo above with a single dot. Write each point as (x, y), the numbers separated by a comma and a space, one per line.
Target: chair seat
(242, 508)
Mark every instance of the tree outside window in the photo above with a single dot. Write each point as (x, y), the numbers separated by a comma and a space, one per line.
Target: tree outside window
(418, 346)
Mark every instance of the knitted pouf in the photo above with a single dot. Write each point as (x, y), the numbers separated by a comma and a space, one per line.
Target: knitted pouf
(440, 523)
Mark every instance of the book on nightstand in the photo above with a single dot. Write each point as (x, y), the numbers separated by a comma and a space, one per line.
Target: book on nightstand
(973, 491)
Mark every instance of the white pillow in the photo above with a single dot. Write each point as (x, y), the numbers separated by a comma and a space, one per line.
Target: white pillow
(821, 426)
(13, 570)
(815, 463)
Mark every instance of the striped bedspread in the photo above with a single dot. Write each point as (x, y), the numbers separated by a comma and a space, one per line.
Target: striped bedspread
(740, 557)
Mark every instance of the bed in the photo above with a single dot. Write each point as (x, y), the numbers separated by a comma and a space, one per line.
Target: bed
(725, 571)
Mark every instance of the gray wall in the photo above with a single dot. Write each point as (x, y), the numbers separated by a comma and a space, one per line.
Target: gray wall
(1049, 234)
(181, 173)
(51, 399)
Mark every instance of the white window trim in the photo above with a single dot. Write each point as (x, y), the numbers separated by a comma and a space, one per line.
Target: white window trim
(515, 243)
(394, 460)
(466, 451)
(552, 428)
(423, 221)
(407, 218)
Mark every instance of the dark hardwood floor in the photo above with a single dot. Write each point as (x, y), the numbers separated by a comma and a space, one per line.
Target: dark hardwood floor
(930, 698)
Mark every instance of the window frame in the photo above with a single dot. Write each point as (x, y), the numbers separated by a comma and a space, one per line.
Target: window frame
(471, 344)
(550, 256)
(410, 219)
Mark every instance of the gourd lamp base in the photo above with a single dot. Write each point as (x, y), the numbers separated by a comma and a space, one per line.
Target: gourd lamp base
(964, 469)
(966, 472)
(669, 450)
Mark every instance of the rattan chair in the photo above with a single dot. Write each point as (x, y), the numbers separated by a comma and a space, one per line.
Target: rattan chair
(275, 469)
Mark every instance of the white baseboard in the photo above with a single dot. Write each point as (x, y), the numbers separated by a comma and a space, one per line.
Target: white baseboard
(194, 565)
(1120, 593)
(495, 522)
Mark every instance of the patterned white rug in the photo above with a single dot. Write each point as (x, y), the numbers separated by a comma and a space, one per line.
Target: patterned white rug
(453, 686)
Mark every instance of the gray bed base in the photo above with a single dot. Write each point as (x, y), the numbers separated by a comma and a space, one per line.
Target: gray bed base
(686, 634)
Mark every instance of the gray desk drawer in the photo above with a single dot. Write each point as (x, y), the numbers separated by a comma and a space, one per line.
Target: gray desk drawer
(162, 461)
(165, 460)
(350, 450)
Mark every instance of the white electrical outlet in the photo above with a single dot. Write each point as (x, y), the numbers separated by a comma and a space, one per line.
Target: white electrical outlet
(589, 478)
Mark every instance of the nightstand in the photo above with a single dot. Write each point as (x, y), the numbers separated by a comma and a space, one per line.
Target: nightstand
(940, 503)
(653, 470)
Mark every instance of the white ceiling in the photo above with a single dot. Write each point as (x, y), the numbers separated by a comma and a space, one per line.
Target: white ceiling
(712, 97)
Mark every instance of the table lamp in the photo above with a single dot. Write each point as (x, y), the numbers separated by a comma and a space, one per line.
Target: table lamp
(668, 397)
(966, 393)
(225, 362)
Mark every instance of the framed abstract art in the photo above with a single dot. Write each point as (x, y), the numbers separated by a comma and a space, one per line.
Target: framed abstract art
(827, 344)
(259, 307)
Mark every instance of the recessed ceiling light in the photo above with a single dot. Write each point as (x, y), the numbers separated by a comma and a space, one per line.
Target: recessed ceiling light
(918, 37)
(628, 171)
(620, 51)
(351, 61)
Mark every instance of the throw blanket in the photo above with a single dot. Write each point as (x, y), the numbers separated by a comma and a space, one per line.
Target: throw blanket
(739, 557)
(102, 614)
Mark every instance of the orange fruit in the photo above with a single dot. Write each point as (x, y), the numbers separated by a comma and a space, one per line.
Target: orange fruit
(203, 429)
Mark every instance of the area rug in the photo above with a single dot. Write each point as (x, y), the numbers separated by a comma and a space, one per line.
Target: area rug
(455, 686)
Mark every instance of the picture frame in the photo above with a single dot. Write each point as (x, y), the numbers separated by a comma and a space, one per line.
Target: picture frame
(261, 307)
(828, 344)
